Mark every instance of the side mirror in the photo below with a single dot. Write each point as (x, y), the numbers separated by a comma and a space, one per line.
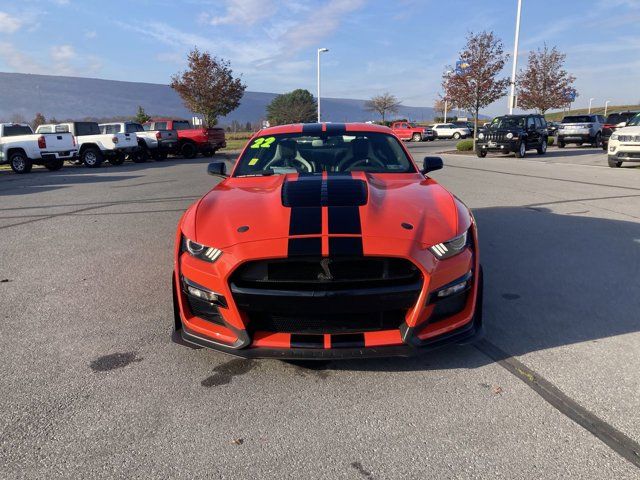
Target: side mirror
(217, 169)
(431, 164)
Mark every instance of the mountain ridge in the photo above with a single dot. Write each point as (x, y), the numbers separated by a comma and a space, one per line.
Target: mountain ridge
(64, 97)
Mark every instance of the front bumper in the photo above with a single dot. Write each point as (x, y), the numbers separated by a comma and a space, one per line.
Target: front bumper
(623, 152)
(233, 331)
(575, 136)
(498, 146)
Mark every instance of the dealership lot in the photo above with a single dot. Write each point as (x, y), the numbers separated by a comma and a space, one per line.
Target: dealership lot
(92, 385)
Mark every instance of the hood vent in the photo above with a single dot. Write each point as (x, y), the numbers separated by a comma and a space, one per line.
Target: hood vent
(329, 192)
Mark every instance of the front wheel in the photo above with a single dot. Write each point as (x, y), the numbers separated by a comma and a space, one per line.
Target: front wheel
(140, 156)
(560, 144)
(481, 153)
(92, 157)
(613, 163)
(54, 165)
(20, 163)
(522, 150)
(456, 136)
(542, 149)
(416, 137)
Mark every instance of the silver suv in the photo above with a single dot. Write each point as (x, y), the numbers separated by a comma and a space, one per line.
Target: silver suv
(581, 129)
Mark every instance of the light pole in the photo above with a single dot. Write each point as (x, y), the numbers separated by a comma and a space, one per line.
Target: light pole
(512, 96)
(320, 50)
(606, 104)
(590, 100)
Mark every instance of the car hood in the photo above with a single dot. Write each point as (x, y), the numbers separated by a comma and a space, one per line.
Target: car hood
(633, 130)
(430, 214)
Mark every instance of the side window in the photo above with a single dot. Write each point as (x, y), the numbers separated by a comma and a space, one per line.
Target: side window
(530, 122)
(148, 126)
(45, 129)
(160, 126)
(133, 128)
(538, 122)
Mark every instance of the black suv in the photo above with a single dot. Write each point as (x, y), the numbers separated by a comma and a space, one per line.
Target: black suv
(513, 133)
(612, 122)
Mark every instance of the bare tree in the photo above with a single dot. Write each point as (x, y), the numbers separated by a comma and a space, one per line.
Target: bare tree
(476, 84)
(439, 107)
(38, 120)
(545, 84)
(382, 104)
(208, 87)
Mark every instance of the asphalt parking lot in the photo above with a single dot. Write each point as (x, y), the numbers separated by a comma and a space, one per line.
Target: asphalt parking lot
(93, 387)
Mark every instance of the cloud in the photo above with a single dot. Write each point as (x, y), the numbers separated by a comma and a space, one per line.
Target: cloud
(63, 53)
(170, 57)
(90, 34)
(8, 23)
(242, 12)
(64, 61)
(18, 61)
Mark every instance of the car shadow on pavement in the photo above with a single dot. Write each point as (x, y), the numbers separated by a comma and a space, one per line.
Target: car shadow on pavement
(551, 280)
(571, 152)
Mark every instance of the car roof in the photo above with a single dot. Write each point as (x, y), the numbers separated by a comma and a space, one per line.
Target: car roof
(323, 127)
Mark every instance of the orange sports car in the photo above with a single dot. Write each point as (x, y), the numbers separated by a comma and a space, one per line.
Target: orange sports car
(326, 241)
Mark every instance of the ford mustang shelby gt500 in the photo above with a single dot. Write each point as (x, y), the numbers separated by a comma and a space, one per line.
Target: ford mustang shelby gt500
(326, 241)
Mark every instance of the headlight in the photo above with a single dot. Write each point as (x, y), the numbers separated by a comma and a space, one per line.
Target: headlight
(481, 135)
(208, 254)
(509, 135)
(614, 137)
(451, 247)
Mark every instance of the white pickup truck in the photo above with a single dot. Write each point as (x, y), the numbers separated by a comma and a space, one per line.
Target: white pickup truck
(21, 148)
(93, 146)
(153, 143)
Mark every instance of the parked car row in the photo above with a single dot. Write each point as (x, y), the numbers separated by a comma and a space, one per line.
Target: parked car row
(415, 133)
(90, 143)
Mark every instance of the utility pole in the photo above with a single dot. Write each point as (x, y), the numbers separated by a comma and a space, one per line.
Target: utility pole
(320, 50)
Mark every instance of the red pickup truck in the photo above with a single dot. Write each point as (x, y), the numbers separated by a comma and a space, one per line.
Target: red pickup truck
(192, 140)
(410, 131)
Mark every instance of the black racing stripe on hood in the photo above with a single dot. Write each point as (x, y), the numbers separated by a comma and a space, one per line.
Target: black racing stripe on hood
(311, 246)
(305, 221)
(345, 246)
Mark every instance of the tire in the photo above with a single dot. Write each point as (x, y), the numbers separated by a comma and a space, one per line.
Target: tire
(542, 149)
(20, 163)
(456, 136)
(140, 156)
(54, 165)
(188, 150)
(598, 141)
(560, 144)
(614, 163)
(117, 159)
(481, 153)
(416, 137)
(522, 150)
(92, 157)
(160, 156)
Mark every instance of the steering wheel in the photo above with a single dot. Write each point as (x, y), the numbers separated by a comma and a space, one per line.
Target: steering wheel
(281, 162)
(365, 162)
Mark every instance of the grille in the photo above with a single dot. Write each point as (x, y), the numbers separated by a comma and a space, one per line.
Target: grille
(629, 154)
(319, 323)
(629, 138)
(495, 136)
(326, 295)
(317, 273)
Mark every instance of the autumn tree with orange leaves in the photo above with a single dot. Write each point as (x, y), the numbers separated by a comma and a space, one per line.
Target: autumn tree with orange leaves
(208, 87)
(476, 84)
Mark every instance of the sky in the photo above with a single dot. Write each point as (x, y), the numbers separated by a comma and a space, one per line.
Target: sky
(375, 46)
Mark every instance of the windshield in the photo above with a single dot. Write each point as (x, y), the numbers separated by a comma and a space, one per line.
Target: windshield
(577, 119)
(634, 122)
(507, 122)
(304, 153)
(616, 118)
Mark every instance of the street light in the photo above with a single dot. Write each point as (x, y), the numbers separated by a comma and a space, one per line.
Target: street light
(512, 96)
(590, 100)
(320, 50)
(606, 104)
